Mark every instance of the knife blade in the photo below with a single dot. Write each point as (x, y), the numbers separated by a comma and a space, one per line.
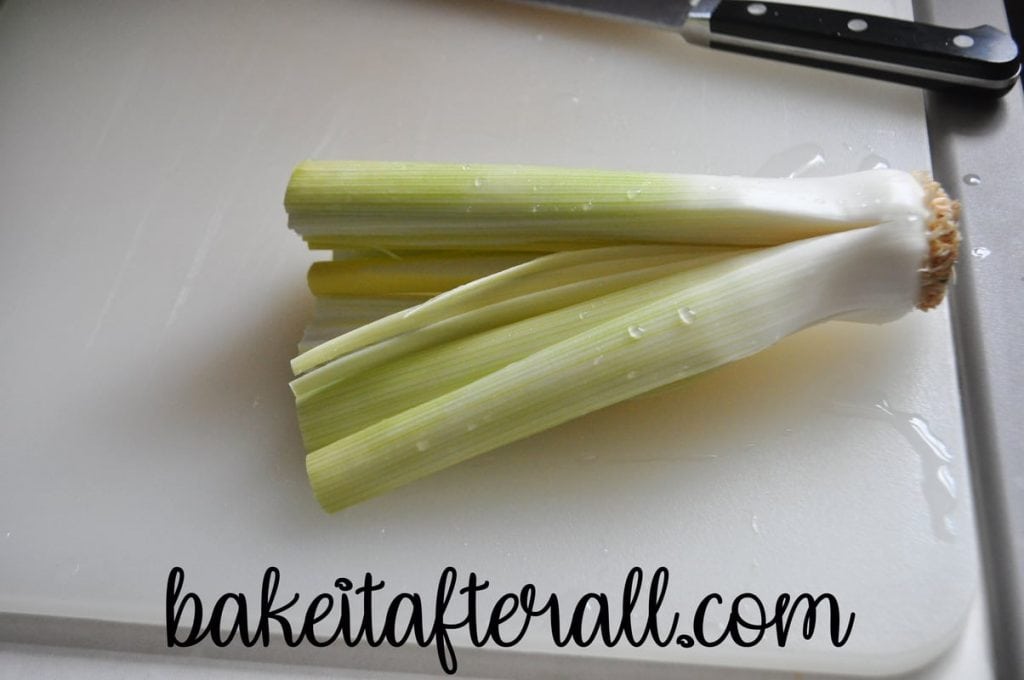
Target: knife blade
(981, 60)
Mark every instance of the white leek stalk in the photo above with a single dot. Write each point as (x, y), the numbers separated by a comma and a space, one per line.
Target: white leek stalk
(533, 346)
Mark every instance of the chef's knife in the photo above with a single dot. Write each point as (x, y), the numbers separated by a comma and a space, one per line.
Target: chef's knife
(981, 59)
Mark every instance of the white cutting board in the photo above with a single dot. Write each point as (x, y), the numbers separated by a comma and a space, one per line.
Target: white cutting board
(150, 297)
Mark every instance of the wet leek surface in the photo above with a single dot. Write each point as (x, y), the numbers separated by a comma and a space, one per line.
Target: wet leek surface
(470, 306)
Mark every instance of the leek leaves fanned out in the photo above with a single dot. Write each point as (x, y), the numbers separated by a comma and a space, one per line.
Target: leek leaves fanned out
(558, 292)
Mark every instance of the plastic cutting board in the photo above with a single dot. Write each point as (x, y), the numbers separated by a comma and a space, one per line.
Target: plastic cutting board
(151, 296)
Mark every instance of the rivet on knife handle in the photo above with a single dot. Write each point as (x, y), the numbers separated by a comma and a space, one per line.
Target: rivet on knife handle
(982, 58)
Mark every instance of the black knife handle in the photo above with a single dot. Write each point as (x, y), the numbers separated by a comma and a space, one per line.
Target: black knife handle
(980, 59)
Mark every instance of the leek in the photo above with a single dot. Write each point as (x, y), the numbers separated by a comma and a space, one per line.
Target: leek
(545, 283)
(408, 206)
(335, 315)
(718, 269)
(365, 395)
(415, 274)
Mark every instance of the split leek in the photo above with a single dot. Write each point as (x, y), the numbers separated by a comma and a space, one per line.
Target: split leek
(363, 396)
(537, 286)
(386, 408)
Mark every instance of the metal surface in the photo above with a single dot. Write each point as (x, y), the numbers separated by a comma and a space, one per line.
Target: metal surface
(697, 30)
(665, 14)
(977, 149)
